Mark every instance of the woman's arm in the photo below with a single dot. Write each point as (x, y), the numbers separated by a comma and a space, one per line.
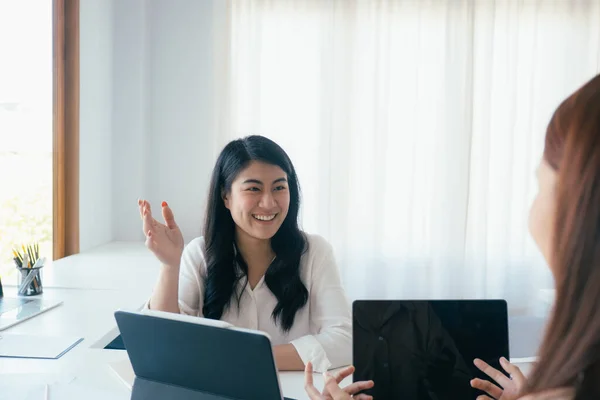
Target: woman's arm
(180, 289)
(165, 294)
(330, 317)
(287, 358)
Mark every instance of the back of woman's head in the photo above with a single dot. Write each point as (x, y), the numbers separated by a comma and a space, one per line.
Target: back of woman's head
(570, 352)
(288, 243)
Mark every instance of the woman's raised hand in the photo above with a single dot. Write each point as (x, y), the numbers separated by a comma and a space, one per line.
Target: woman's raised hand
(164, 240)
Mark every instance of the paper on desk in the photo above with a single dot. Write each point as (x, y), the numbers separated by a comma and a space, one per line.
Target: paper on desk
(34, 346)
(29, 386)
(68, 391)
(78, 391)
(29, 392)
(124, 372)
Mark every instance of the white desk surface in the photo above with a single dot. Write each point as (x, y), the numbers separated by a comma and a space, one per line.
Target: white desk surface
(114, 266)
(92, 286)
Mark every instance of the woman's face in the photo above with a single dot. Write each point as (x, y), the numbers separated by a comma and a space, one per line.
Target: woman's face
(542, 213)
(259, 200)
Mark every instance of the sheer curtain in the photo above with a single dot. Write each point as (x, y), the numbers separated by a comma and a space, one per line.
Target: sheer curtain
(415, 128)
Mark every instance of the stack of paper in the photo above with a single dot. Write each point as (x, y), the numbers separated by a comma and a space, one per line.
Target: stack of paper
(30, 386)
(10, 391)
(124, 372)
(34, 346)
(53, 386)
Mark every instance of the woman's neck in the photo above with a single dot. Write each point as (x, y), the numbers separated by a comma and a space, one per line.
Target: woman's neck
(257, 253)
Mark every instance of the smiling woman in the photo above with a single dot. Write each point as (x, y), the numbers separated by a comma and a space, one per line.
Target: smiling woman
(258, 208)
(254, 267)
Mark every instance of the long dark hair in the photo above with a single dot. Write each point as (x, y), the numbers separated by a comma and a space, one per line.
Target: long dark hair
(289, 243)
(570, 352)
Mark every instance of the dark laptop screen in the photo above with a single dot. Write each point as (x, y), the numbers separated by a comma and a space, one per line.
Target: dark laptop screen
(425, 349)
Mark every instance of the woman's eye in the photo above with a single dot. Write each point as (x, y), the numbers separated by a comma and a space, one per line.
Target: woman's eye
(253, 189)
(280, 188)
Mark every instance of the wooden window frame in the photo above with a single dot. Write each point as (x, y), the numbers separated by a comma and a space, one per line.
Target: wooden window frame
(65, 159)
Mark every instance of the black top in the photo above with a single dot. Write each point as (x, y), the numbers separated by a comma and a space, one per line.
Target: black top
(408, 351)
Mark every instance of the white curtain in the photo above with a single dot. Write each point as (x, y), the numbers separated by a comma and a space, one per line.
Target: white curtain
(415, 128)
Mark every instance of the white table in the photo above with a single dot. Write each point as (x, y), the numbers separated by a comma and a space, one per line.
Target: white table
(92, 286)
(114, 266)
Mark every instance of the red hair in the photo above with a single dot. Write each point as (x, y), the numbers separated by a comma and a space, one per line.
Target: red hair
(570, 353)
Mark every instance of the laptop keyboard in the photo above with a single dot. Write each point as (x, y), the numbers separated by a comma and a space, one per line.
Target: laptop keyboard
(8, 304)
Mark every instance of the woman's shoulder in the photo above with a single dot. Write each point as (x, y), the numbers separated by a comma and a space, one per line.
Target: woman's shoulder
(196, 245)
(318, 255)
(193, 257)
(554, 394)
(317, 245)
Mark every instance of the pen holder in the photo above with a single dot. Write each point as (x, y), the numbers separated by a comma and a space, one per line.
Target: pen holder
(30, 281)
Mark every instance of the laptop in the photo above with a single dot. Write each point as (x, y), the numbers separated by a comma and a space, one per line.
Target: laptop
(185, 357)
(424, 350)
(14, 310)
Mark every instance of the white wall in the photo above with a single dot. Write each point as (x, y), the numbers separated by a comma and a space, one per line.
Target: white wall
(163, 111)
(146, 113)
(129, 116)
(96, 142)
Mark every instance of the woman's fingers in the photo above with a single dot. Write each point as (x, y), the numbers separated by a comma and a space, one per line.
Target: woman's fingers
(332, 387)
(492, 372)
(149, 223)
(309, 387)
(146, 208)
(150, 242)
(147, 219)
(484, 397)
(487, 387)
(343, 373)
(168, 216)
(142, 207)
(514, 371)
(308, 373)
(359, 386)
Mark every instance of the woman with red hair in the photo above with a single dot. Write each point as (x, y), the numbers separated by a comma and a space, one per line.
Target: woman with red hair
(565, 224)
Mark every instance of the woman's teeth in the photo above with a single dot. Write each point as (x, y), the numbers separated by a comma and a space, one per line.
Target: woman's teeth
(264, 217)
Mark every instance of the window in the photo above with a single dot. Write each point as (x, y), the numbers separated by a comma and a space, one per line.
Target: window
(38, 128)
(25, 127)
(415, 128)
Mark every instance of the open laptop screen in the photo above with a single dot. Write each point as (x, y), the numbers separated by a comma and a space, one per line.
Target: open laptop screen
(184, 357)
(425, 349)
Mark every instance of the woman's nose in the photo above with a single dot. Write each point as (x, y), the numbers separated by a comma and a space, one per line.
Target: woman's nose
(267, 200)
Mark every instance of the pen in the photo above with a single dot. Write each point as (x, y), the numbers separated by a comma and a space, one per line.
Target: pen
(31, 254)
(25, 257)
(18, 256)
(46, 392)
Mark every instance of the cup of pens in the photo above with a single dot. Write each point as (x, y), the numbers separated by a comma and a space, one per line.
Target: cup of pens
(29, 264)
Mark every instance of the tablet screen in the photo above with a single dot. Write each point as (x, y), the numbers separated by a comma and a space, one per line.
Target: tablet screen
(425, 349)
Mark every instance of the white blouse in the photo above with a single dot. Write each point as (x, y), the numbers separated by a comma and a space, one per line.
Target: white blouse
(322, 330)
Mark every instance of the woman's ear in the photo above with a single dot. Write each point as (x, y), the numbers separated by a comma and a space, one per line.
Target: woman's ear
(225, 198)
